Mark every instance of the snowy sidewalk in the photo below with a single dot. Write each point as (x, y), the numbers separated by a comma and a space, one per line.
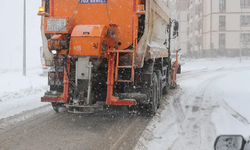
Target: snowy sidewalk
(20, 93)
(213, 100)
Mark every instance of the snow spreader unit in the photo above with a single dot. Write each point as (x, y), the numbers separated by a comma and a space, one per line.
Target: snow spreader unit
(107, 52)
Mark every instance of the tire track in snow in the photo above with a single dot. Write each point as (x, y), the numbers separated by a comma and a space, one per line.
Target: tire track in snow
(163, 127)
(198, 113)
(230, 110)
(197, 125)
(189, 132)
(120, 143)
(233, 112)
(178, 110)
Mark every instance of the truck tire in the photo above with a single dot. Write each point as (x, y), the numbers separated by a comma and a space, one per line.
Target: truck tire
(159, 77)
(154, 97)
(168, 83)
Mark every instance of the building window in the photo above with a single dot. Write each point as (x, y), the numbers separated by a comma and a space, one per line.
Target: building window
(200, 9)
(222, 22)
(245, 38)
(199, 25)
(197, 10)
(222, 40)
(245, 3)
(222, 5)
(245, 21)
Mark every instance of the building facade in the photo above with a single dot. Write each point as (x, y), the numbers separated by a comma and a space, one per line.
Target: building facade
(218, 27)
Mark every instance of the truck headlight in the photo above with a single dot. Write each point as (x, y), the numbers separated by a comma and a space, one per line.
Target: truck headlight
(54, 52)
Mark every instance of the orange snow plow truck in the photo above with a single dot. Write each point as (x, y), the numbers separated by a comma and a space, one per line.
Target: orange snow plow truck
(107, 52)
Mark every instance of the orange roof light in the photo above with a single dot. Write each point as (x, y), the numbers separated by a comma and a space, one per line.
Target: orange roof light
(41, 9)
(42, 12)
(141, 8)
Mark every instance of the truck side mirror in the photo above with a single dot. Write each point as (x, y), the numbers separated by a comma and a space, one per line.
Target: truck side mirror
(229, 142)
(179, 70)
(247, 146)
(176, 28)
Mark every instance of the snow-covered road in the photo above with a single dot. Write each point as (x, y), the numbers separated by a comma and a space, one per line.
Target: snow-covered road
(27, 123)
(213, 100)
(43, 129)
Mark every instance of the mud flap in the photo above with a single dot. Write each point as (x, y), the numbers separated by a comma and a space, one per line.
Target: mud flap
(78, 109)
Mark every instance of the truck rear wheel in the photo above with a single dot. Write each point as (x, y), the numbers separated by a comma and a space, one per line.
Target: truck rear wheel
(153, 105)
(159, 90)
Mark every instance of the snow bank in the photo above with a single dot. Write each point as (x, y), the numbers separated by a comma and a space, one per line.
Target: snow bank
(21, 93)
(213, 64)
(162, 130)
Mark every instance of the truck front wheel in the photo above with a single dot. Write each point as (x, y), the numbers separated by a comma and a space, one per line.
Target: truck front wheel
(154, 96)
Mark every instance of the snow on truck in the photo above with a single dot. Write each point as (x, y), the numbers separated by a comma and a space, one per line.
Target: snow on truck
(107, 52)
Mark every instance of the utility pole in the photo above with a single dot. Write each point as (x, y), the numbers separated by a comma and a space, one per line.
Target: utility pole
(241, 32)
(24, 38)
